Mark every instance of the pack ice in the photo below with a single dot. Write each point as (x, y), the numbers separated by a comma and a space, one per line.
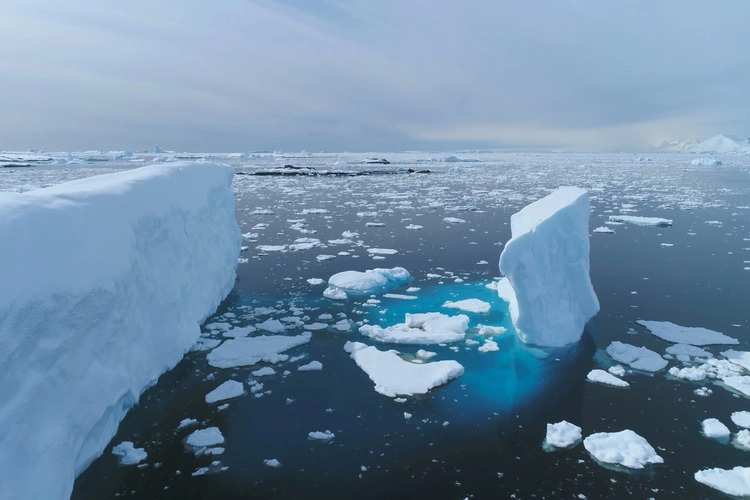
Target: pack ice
(546, 268)
(105, 282)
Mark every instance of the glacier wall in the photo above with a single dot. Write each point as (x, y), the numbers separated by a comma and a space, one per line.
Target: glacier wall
(546, 268)
(104, 283)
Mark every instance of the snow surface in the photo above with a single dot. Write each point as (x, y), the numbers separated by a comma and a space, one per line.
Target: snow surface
(621, 448)
(394, 376)
(563, 434)
(602, 377)
(641, 221)
(546, 263)
(469, 305)
(228, 390)
(421, 328)
(129, 454)
(639, 358)
(247, 351)
(105, 282)
(734, 482)
(686, 334)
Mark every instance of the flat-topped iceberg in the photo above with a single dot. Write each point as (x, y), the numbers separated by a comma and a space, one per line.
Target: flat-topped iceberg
(104, 284)
(546, 265)
(641, 221)
(394, 376)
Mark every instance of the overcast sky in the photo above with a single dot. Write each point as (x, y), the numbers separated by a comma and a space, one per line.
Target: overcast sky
(369, 75)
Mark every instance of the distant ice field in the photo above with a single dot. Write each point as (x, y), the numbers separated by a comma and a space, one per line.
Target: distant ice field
(482, 433)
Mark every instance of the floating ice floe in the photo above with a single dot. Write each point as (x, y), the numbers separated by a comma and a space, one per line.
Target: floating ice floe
(624, 448)
(546, 264)
(488, 346)
(641, 221)
(469, 305)
(251, 350)
(684, 352)
(638, 358)
(692, 335)
(228, 390)
(368, 282)
(602, 377)
(321, 435)
(742, 440)
(202, 438)
(693, 373)
(311, 366)
(263, 372)
(453, 220)
(394, 376)
(706, 162)
(741, 419)
(735, 482)
(713, 428)
(562, 435)
(604, 230)
(335, 294)
(272, 462)
(421, 328)
(739, 383)
(129, 454)
(382, 251)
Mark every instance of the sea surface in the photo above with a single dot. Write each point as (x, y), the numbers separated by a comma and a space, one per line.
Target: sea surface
(481, 435)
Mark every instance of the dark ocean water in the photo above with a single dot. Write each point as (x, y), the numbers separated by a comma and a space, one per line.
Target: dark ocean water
(480, 435)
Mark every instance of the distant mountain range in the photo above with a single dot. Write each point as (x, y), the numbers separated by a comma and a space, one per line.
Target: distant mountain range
(716, 144)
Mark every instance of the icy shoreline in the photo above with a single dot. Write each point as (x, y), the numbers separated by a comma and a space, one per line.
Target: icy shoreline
(141, 259)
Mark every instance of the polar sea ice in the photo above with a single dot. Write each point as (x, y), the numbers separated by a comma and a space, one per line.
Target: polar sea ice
(421, 328)
(140, 259)
(546, 268)
(624, 448)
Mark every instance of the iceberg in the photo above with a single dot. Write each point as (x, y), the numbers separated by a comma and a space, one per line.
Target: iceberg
(562, 435)
(421, 328)
(368, 282)
(546, 265)
(105, 283)
(624, 448)
(735, 482)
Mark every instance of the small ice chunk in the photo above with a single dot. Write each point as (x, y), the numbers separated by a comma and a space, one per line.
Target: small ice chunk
(604, 230)
(469, 305)
(370, 281)
(686, 334)
(382, 251)
(617, 370)
(453, 220)
(129, 454)
(490, 331)
(315, 281)
(228, 390)
(638, 358)
(562, 434)
(335, 294)
(311, 366)
(735, 482)
(713, 428)
(422, 354)
(272, 462)
(187, 422)
(488, 346)
(393, 376)
(271, 325)
(693, 373)
(313, 327)
(202, 438)
(688, 350)
(624, 448)
(263, 372)
(602, 377)
(321, 436)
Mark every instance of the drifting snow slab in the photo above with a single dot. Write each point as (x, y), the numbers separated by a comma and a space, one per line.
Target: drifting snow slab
(395, 377)
(734, 482)
(422, 328)
(546, 263)
(639, 358)
(624, 448)
(104, 284)
(247, 351)
(692, 335)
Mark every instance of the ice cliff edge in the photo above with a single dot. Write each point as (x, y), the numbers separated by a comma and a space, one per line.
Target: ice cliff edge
(546, 269)
(104, 283)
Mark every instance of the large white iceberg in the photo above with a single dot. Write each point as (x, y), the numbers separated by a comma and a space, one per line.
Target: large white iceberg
(104, 284)
(546, 264)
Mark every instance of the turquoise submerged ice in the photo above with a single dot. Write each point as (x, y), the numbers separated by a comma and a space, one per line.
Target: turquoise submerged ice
(546, 263)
